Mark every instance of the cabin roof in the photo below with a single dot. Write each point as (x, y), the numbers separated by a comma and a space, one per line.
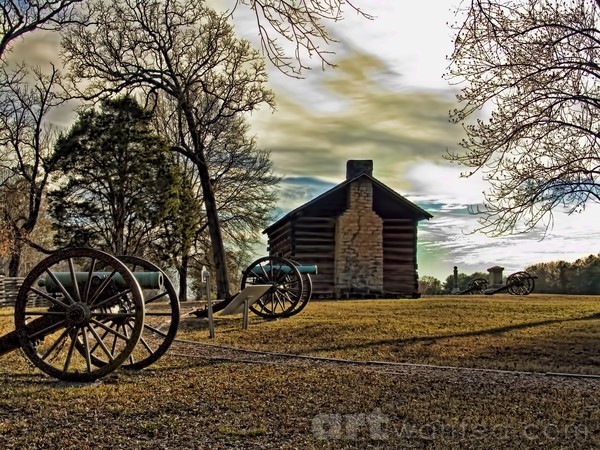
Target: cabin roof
(386, 202)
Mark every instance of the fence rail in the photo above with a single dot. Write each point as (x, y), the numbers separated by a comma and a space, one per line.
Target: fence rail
(9, 289)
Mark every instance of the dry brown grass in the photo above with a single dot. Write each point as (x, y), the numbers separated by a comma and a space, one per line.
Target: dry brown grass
(535, 333)
(194, 403)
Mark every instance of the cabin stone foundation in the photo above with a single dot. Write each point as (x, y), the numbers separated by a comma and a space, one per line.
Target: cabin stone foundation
(358, 265)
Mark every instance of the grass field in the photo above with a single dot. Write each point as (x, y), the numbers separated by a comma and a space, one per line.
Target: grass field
(539, 333)
(197, 403)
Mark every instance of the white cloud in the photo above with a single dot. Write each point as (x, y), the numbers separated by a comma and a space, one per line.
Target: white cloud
(412, 36)
(441, 181)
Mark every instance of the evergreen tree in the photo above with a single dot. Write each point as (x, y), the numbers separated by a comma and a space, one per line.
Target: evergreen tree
(118, 182)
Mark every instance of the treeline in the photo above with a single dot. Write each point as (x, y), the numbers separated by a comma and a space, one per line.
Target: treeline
(562, 277)
(581, 277)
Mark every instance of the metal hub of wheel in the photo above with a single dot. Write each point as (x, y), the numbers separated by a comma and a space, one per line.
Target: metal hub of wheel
(78, 314)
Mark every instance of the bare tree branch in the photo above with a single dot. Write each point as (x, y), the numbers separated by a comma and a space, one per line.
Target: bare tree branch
(27, 96)
(18, 17)
(530, 108)
(301, 25)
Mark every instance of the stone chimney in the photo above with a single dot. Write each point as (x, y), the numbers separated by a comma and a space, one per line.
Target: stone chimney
(359, 238)
(354, 167)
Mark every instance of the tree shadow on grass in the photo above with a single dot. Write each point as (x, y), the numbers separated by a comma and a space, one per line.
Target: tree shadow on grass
(483, 332)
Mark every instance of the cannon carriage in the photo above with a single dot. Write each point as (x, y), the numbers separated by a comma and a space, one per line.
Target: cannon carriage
(290, 287)
(82, 313)
(518, 283)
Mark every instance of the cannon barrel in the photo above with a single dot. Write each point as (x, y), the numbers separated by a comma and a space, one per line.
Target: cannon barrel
(147, 280)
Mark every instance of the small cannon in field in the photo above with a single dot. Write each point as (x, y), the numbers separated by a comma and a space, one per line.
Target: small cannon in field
(518, 283)
(476, 286)
(290, 287)
(81, 313)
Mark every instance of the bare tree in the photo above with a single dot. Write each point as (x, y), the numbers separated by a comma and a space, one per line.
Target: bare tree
(18, 17)
(26, 99)
(303, 24)
(530, 107)
(243, 184)
(183, 50)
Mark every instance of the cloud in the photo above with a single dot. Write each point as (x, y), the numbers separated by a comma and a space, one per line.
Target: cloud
(365, 118)
(449, 239)
(37, 48)
(296, 191)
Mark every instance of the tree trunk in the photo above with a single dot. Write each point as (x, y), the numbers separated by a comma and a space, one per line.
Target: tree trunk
(214, 230)
(15, 258)
(212, 216)
(182, 270)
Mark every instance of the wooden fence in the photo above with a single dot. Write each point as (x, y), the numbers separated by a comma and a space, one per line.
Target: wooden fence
(9, 289)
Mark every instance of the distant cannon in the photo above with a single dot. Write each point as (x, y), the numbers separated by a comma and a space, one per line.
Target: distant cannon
(476, 286)
(518, 283)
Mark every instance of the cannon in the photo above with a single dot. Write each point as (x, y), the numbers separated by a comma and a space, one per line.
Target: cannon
(518, 283)
(476, 286)
(82, 313)
(290, 291)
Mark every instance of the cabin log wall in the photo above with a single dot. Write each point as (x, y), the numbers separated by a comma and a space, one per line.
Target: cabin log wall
(309, 240)
(400, 257)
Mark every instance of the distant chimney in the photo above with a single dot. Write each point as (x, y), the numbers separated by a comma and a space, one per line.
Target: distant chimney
(355, 167)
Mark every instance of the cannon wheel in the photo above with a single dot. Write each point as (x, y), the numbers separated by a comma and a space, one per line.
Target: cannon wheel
(477, 286)
(287, 284)
(160, 323)
(75, 316)
(306, 293)
(520, 283)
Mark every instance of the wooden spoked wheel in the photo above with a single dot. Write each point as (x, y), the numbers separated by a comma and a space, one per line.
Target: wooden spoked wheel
(287, 286)
(477, 286)
(520, 283)
(161, 318)
(63, 308)
(306, 293)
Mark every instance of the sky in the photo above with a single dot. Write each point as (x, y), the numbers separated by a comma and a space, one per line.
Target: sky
(387, 101)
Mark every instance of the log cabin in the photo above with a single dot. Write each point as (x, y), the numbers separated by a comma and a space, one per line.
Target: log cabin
(361, 234)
